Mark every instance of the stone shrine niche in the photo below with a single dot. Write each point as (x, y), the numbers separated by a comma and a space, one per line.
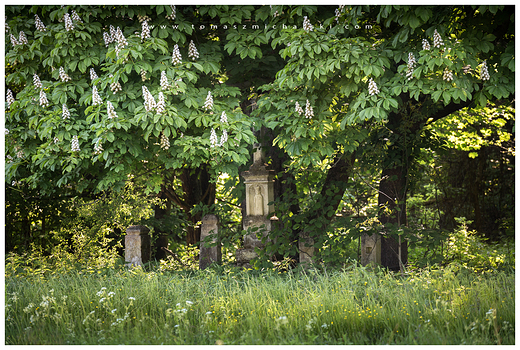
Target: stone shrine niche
(258, 201)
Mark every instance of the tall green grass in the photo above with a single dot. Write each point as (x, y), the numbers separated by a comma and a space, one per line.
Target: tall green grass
(228, 306)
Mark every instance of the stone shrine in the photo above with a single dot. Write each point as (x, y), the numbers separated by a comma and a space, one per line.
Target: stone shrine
(259, 181)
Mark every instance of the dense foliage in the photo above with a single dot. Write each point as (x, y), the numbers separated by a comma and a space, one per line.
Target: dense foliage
(367, 115)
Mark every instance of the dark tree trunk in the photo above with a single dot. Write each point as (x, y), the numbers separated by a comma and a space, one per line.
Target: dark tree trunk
(197, 188)
(162, 237)
(284, 185)
(392, 210)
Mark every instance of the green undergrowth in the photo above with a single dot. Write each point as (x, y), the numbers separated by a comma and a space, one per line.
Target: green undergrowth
(222, 305)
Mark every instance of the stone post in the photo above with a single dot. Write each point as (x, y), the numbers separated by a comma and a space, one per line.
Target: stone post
(259, 181)
(370, 249)
(306, 248)
(138, 248)
(212, 254)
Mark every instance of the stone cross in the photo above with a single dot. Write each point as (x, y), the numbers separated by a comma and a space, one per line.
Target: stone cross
(212, 254)
(138, 248)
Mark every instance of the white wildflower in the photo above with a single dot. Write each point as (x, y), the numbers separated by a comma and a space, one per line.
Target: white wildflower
(309, 113)
(208, 104)
(209, 313)
(96, 99)
(19, 154)
(111, 294)
(114, 310)
(437, 40)
(161, 104)
(372, 87)
(447, 75)
(64, 76)
(68, 22)
(282, 320)
(111, 114)
(425, 44)
(176, 56)
(6, 132)
(9, 98)
(145, 33)
(102, 300)
(484, 73)
(75, 145)
(65, 112)
(223, 118)
(307, 26)
(28, 308)
(192, 51)
(213, 138)
(43, 99)
(56, 140)
(189, 302)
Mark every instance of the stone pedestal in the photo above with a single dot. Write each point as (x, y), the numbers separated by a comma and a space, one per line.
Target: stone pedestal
(138, 248)
(370, 249)
(211, 254)
(259, 181)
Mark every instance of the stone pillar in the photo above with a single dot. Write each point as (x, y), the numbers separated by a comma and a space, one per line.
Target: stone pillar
(212, 254)
(306, 248)
(259, 181)
(370, 249)
(138, 248)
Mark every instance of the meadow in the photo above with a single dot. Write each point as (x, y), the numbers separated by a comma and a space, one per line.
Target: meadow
(226, 305)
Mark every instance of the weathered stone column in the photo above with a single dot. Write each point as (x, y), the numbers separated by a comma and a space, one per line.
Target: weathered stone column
(306, 248)
(212, 254)
(138, 248)
(259, 181)
(370, 249)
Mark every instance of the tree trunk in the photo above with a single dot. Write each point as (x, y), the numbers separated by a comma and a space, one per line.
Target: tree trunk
(162, 237)
(392, 210)
(197, 188)
(284, 185)
(330, 195)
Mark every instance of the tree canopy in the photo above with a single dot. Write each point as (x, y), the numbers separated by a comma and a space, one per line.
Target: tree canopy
(97, 96)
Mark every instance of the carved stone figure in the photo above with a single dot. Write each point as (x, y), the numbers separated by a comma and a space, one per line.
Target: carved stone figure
(258, 202)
